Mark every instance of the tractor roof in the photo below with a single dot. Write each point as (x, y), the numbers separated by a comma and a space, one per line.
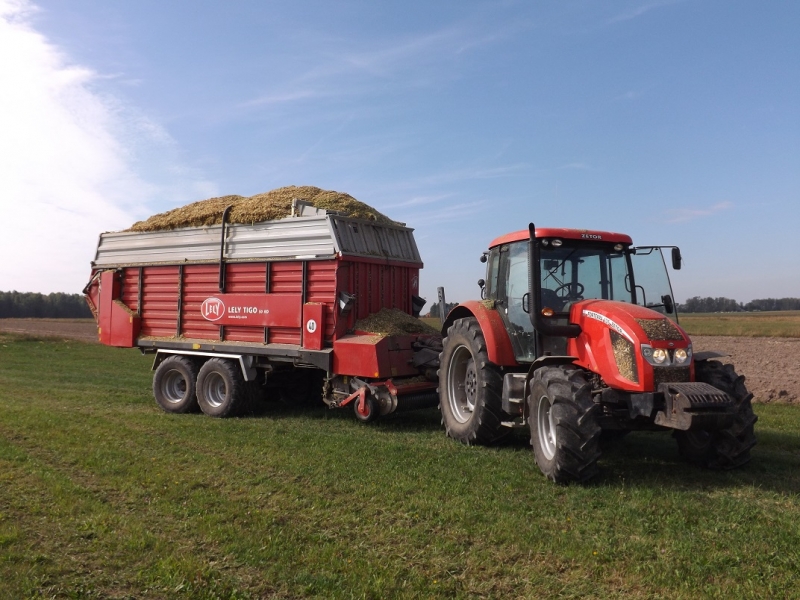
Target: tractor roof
(584, 235)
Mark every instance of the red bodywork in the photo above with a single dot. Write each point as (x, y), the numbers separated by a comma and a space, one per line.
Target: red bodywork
(292, 303)
(567, 234)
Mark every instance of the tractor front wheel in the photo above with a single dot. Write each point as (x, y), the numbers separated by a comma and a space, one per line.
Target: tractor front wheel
(726, 448)
(564, 431)
(470, 387)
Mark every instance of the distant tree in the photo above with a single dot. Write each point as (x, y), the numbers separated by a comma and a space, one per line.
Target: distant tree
(765, 304)
(27, 305)
(435, 308)
(708, 304)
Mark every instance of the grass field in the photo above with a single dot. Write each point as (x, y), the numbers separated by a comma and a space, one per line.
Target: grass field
(771, 324)
(104, 496)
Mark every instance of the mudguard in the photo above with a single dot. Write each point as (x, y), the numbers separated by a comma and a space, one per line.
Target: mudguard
(498, 344)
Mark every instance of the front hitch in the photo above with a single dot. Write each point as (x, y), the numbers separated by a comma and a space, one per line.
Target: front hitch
(689, 406)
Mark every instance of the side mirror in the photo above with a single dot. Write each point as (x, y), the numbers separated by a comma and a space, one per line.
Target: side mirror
(669, 306)
(526, 301)
(484, 258)
(676, 259)
(481, 283)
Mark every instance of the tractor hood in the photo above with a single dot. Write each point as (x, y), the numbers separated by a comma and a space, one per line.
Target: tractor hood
(616, 339)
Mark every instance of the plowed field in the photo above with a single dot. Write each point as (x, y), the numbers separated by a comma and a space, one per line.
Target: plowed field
(769, 364)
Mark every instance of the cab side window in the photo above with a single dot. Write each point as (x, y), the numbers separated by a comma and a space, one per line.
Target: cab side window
(492, 273)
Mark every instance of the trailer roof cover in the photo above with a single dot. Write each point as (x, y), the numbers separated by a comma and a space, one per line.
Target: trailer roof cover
(269, 206)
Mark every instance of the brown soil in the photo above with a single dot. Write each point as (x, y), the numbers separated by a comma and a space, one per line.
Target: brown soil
(770, 365)
(72, 329)
(276, 204)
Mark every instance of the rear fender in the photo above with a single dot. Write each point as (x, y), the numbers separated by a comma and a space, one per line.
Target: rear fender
(498, 344)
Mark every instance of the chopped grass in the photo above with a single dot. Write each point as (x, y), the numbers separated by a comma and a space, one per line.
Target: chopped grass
(104, 496)
(275, 204)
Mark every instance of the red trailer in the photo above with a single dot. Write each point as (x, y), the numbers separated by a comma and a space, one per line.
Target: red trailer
(232, 308)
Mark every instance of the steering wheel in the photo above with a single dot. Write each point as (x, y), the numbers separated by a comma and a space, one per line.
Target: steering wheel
(565, 291)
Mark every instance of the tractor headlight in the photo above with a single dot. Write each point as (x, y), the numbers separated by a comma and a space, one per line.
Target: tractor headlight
(682, 356)
(658, 357)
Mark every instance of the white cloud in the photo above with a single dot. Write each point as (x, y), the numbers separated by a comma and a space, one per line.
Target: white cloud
(681, 215)
(638, 11)
(65, 173)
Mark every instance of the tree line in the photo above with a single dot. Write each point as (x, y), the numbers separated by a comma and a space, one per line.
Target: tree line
(31, 305)
(708, 304)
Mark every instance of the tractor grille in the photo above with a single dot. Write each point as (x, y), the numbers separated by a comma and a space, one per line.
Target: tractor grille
(670, 375)
(660, 329)
(625, 357)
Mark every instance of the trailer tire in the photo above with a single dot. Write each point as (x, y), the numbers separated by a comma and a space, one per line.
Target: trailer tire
(221, 388)
(562, 419)
(726, 448)
(470, 387)
(175, 385)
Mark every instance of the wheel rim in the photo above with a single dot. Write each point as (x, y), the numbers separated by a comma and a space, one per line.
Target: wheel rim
(462, 384)
(215, 390)
(546, 427)
(173, 386)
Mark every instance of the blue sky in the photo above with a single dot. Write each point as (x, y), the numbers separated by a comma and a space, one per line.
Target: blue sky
(677, 122)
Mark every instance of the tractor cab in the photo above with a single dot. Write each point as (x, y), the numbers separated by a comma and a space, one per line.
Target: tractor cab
(569, 266)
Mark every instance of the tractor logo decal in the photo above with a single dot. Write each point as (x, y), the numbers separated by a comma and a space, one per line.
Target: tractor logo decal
(606, 321)
(212, 309)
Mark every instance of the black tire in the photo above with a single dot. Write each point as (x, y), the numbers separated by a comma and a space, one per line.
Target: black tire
(726, 448)
(564, 430)
(175, 385)
(221, 388)
(470, 387)
(370, 407)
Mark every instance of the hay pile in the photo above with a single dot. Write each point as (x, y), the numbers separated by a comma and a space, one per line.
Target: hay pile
(391, 321)
(276, 204)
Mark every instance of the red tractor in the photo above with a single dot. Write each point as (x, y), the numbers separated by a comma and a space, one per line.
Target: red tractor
(576, 337)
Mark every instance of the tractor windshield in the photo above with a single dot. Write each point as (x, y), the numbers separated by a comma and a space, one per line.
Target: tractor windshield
(571, 273)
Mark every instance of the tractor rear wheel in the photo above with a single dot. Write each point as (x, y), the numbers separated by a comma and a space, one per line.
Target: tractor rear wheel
(564, 430)
(221, 388)
(726, 448)
(470, 387)
(174, 385)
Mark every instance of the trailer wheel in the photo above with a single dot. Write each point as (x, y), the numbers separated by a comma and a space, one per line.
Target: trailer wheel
(370, 410)
(727, 448)
(564, 431)
(470, 387)
(174, 385)
(221, 389)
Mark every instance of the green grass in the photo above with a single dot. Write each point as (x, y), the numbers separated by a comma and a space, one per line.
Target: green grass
(755, 324)
(104, 496)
